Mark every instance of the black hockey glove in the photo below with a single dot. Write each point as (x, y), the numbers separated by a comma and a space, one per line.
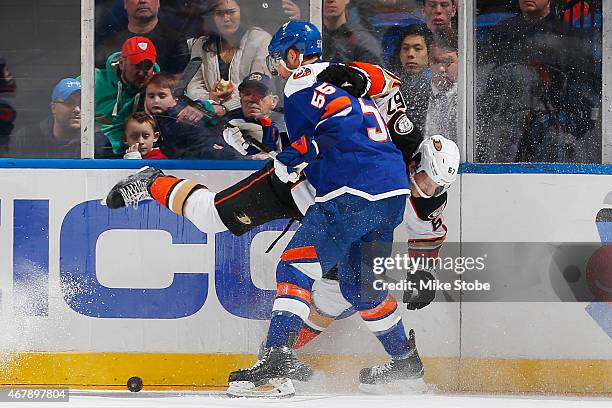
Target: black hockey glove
(352, 80)
(419, 297)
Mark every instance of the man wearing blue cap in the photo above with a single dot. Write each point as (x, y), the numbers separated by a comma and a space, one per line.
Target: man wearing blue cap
(58, 135)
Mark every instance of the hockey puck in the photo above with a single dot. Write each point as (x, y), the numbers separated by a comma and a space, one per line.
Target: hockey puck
(134, 384)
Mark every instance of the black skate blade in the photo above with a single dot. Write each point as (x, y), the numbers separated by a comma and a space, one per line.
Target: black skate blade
(405, 387)
(113, 200)
(275, 388)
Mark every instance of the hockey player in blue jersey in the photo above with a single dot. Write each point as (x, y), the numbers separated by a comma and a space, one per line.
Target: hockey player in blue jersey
(361, 191)
(261, 197)
(212, 212)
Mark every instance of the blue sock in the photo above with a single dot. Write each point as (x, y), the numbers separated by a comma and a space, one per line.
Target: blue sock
(282, 325)
(395, 341)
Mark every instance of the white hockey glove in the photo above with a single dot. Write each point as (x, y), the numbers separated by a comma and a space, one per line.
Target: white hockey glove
(232, 134)
(289, 163)
(285, 173)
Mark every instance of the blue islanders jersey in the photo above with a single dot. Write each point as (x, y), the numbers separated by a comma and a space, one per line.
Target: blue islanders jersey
(356, 155)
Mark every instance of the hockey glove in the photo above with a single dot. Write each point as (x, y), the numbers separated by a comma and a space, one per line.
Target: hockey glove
(419, 297)
(351, 79)
(283, 173)
(291, 161)
(382, 81)
(233, 134)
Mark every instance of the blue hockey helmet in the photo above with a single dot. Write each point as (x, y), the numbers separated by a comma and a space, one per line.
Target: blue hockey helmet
(302, 35)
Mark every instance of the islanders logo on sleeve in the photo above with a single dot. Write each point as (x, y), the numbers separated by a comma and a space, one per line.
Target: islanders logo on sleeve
(302, 72)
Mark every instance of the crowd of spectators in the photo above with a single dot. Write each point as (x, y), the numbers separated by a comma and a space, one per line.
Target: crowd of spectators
(537, 89)
(346, 42)
(143, 20)
(538, 85)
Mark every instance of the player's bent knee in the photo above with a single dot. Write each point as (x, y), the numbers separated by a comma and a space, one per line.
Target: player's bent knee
(299, 266)
(318, 320)
(362, 298)
(292, 298)
(382, 317)
(199, 208)
(328, 299)
(290, 306)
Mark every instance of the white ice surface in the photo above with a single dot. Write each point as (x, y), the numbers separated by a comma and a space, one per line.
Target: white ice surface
(155, 399)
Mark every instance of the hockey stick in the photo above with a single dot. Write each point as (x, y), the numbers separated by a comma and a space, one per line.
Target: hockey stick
(259, 145)
(265, 149)
(179, 89)
(190, 70)
(226, 123)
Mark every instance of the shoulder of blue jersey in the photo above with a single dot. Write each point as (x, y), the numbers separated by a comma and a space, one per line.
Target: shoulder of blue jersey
(304, 77)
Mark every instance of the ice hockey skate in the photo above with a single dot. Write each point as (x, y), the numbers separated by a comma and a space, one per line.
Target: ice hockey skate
(270, 377)
(303, 372)
(132, 189)
(396, 376)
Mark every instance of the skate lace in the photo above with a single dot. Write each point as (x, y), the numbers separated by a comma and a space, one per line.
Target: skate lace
(134, 192)
(381, 369)
(258, 363)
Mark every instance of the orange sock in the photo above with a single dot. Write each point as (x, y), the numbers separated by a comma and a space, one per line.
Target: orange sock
(161, 187)
(172, 192)
(305, 336)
